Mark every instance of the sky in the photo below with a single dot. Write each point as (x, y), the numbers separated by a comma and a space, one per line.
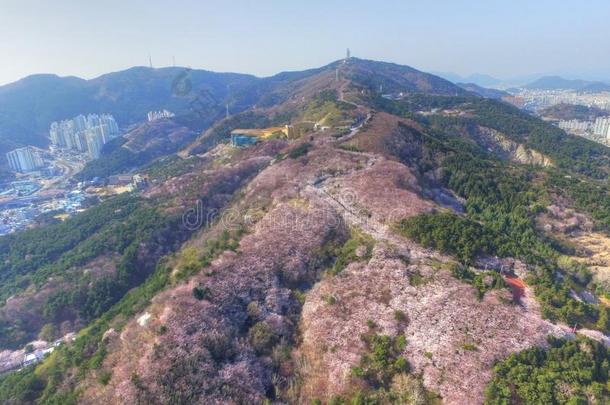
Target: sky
(501, 38)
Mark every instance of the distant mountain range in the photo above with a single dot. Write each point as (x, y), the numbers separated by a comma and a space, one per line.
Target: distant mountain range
(532, 82)
(28, 106)
(559, 83)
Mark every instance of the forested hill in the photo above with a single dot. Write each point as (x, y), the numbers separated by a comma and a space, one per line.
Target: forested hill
(325, 265)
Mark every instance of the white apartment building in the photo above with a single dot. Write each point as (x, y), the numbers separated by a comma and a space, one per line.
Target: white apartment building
(24, 160)
(157, 115)
(85, 134)
(601, 127)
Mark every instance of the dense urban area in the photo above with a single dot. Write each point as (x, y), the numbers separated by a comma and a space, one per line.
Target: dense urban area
(44, 183)
(593, 121)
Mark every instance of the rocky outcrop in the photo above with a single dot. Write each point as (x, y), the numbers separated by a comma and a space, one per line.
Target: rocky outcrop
(510, 150)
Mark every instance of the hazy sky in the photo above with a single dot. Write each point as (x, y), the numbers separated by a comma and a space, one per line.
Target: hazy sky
(505, 38)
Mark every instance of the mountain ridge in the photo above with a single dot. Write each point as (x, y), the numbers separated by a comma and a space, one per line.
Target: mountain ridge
(560, 83)
(29, 105)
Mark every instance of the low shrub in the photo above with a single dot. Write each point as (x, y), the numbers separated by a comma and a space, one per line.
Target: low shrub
(261, 337)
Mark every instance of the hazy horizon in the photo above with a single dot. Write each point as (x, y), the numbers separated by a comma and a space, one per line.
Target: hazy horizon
(506, 41)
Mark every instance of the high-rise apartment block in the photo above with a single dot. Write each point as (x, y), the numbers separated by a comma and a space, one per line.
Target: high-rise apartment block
(24, 160)
(85, 134)
(601, 127)
(574, 125)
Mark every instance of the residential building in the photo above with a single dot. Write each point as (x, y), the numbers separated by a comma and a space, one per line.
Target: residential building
(157, 115)
(95, 142)
(85, 134)
(601, 126)
(574, 125)
(24, 160)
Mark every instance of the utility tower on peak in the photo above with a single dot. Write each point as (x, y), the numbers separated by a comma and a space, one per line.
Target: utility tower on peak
(348, 54)
(150, 61)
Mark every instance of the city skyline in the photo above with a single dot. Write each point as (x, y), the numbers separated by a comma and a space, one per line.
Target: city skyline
(463, 37)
